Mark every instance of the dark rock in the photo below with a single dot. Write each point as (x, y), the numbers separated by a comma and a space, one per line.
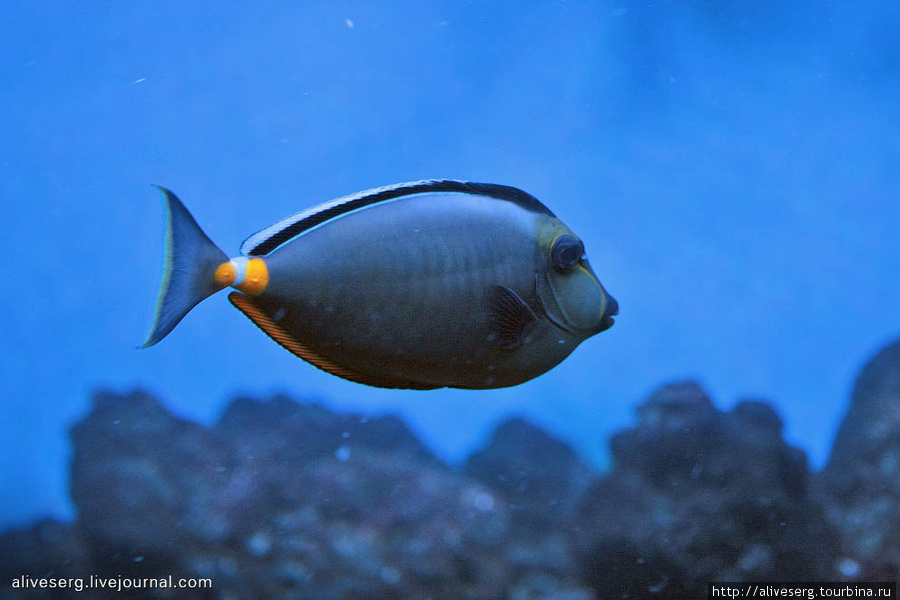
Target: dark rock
(537, 475)
(143, 478)
(539, 479)
(288, 500)
(862, 477)
(698, 495)
(283, 500)
(282, 429)
(370, 525)
(544, 587)
(46, 549)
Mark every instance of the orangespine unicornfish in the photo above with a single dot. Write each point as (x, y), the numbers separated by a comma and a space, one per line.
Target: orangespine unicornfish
(419, 285)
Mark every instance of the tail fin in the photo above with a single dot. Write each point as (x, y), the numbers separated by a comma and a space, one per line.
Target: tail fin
(189, 266)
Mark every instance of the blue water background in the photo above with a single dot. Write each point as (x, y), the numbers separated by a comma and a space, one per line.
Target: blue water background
(731, 166)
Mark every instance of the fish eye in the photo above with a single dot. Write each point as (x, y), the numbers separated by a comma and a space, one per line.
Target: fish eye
(566, 252)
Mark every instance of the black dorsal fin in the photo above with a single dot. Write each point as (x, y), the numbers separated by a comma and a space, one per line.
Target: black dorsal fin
(512, 318)
(271, 237)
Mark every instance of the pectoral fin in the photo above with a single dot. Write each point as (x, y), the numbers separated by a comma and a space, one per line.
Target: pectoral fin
(511, 317)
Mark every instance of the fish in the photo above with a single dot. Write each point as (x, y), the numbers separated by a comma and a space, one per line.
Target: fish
(419, 285)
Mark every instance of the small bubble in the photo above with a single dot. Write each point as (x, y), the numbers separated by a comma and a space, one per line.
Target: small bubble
(227, 566)
(483, 502)
(657, 588)
(452, 538)
(348, 23)
(848, 567)
(345, 435)
(342, 453)
(138, 559)
(259, 543)
(390, 576)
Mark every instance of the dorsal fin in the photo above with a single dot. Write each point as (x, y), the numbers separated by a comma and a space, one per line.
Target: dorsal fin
(271, 237)
(264, 321)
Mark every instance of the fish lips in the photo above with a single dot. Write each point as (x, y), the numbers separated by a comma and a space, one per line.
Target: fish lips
(612, 309)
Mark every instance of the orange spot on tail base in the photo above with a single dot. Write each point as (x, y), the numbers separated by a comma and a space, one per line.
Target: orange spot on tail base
(226, 274)
(256, 277)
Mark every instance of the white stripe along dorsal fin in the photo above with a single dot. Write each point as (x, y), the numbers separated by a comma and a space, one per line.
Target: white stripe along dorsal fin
(263, 242)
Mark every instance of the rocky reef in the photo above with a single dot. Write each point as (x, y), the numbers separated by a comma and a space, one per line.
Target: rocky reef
(281, 499)
(697, 495)
(862, 477)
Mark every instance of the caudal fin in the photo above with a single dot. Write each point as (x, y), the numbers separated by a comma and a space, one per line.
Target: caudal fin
(189, 266)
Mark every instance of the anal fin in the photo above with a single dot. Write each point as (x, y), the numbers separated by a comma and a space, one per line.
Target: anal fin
(267, 323)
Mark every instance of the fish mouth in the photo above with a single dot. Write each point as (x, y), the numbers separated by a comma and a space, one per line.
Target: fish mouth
(607, 322)
(612, 309)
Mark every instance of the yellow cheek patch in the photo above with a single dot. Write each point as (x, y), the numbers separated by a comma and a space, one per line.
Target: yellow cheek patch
(256, 277)
(226, 274)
